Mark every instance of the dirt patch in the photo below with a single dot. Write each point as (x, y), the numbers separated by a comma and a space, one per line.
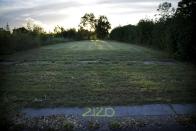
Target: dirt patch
(159, 63)
(88, 62)
(35, 63)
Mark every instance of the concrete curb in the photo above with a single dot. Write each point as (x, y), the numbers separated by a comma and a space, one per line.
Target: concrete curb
(118, 111)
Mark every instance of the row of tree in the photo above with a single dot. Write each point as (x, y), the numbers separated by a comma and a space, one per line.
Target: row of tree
(23, 38)
(173, 31)
(19, 39)
(90, 27)
(33, 36)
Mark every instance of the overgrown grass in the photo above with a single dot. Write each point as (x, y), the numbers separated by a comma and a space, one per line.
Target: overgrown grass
(93, 73)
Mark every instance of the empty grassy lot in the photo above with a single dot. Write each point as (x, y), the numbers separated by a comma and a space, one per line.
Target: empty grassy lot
(93, 73)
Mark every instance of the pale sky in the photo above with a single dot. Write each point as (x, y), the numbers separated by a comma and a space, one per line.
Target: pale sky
(67, 13)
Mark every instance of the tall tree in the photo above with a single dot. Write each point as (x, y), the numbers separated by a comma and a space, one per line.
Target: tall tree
(59, 31)
(87, 25)
(102, 27)
(88, 22)
(165, 10)
(186, 12)
(187, 8)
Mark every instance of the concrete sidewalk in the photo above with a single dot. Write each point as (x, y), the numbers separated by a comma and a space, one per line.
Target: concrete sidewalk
(116, 111)
(150, 117)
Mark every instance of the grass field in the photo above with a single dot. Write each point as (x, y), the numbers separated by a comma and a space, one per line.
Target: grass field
(93, 73)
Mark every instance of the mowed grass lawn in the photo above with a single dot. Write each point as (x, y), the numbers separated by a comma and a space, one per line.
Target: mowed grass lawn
(95, 73)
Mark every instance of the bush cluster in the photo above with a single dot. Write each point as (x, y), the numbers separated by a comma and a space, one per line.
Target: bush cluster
(171, 33)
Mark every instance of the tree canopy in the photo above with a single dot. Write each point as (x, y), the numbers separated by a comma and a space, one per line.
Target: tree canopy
(92, 26)
(174, 30)
(102, 27)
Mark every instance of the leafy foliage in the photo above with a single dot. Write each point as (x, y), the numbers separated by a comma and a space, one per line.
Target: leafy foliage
(88, 22)
(23, 38)
(172, 32)
(102, 27)
(92, 28)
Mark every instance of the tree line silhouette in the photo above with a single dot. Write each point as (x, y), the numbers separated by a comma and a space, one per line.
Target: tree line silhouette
(33, 36)
(173, 32)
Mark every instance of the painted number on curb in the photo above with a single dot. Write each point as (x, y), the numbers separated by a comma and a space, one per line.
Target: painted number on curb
(99, 112)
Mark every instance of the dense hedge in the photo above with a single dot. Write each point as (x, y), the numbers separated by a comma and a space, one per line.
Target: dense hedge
(175, 34)
(23, 39)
